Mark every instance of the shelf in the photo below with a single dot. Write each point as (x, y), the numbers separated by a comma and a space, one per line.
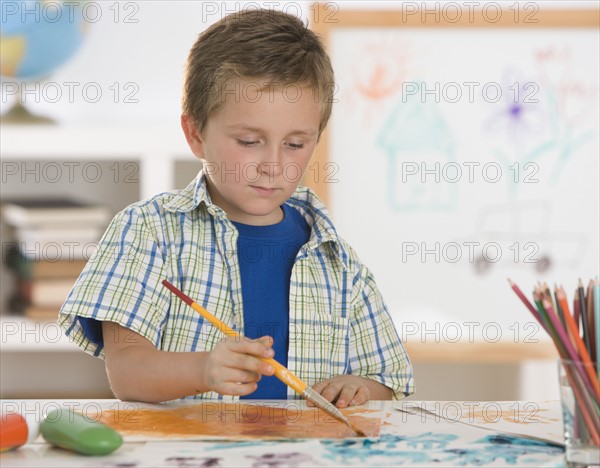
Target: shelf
(155, 149)
(22, 335)
(134, 163)
(480, 352)
(49, 142)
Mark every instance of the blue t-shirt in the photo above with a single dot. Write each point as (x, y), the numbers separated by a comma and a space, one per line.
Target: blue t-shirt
(266, 256)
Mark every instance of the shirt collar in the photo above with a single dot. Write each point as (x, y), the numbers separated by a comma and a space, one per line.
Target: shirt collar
(192, 196)
(323, 231)
(303, 199)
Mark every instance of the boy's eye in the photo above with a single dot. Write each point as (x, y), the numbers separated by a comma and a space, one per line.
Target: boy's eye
(295, 145)
(247, 143)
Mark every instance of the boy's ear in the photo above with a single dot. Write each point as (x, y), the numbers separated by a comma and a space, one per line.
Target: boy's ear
(192, 135)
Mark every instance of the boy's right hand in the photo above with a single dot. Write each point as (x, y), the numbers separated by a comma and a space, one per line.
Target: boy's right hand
(234, 366)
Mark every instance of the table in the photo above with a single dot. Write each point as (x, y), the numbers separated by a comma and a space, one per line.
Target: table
(412, 433)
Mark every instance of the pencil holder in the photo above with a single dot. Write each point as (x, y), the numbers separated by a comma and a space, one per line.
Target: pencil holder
(580, 411)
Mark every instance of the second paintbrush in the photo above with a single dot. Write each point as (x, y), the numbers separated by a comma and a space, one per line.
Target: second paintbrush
(280, 371)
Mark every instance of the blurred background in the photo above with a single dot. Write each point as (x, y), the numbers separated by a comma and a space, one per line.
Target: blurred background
(90, 115)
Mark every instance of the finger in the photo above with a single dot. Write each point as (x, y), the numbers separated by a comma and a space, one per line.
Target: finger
(362, 395)
(266, 340)
(318, 387)
(328, 390)
(346, 395)
(266, 369)
(250, 363)
(238, 375)
(247, 346)
(224, 376)
(331, 392)
(236, 389)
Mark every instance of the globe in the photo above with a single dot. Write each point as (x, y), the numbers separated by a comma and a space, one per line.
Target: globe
(36, 38)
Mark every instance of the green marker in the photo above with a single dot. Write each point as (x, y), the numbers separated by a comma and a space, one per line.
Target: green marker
(72, 431)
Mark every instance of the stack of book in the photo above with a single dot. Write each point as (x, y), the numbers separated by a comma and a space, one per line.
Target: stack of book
(53, 240)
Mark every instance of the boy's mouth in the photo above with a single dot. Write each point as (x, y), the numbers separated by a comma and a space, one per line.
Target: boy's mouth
(264, 190)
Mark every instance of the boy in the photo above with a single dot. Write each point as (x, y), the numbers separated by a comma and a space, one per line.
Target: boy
(243, 241)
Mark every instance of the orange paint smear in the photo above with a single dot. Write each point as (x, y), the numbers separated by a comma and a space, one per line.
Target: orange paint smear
(519, 416)
(238, 421)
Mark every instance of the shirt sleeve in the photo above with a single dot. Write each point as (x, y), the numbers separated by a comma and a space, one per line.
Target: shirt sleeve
(120, 283)
(377, 352)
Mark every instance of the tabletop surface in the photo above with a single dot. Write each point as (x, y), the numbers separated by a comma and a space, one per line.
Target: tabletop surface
(408, 433)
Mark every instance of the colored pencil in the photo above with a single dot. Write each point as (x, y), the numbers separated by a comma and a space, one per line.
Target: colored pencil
(583, 353)
(585, 325)
(564, 329)
(569, 349)
(559, 308)
(280, 371)
(589, 298)
(576, 311)
(564, 303)
(537, 299)
(548, 295)
(579, 383)
(525, 301)
(597, 322)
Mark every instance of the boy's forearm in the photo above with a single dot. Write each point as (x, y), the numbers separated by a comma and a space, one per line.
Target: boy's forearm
(157, 376)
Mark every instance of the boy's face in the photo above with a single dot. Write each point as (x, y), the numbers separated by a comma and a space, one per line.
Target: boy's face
(256, 148)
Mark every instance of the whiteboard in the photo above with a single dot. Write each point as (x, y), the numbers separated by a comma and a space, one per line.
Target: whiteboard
(464, 156)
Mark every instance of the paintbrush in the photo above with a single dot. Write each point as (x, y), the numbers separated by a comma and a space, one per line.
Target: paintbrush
(280, 372)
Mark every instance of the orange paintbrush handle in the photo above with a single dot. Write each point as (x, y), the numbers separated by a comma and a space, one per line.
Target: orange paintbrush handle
(225, 329)
(287, 377)
(280, 371)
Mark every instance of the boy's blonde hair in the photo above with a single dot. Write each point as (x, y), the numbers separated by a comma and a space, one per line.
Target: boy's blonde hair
(267, 47)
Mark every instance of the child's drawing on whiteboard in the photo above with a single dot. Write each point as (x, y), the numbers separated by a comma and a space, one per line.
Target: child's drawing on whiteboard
(572, 101)
(415, 138)
(521, 115)
(543, 117)
(520, 234)
(521, 123)
(375, 77)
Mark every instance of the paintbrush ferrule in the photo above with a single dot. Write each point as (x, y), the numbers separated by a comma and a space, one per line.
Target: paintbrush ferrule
(316, 398)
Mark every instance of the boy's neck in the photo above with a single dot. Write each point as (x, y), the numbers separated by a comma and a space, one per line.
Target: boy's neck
(274, 218)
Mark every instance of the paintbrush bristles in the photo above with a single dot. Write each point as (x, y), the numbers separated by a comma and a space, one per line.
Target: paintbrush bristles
(328, 407)
(358, 430)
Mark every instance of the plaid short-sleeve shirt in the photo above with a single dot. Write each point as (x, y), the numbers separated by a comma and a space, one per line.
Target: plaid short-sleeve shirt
(338, 322)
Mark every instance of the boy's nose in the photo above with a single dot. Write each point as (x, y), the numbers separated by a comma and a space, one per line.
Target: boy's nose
(271, 164)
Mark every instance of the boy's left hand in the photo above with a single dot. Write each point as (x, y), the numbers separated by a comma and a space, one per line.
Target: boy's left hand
(343, 390)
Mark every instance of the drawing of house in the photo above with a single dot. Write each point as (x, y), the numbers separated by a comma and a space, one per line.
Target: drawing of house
(416, 135)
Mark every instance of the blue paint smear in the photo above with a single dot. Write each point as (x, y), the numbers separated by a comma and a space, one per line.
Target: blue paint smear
(504, 447)
(503, 439)
(386, 446)
(257, 443)
(433, 448)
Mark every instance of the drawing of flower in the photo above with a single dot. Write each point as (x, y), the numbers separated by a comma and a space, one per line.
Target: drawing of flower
(519, 113)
